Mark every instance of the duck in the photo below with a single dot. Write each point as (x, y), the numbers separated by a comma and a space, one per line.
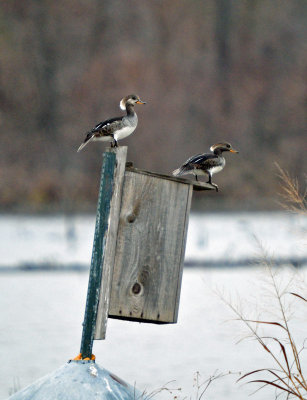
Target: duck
(118, 128)
(207, 163)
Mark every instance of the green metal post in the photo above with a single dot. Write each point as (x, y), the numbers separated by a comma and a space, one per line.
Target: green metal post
(102, 217)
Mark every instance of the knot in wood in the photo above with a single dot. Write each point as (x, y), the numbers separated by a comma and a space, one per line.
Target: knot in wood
(131, 218)
(136, 288)
(135, 211)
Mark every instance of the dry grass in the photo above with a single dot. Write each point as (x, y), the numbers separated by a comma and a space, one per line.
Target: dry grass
(200, 388)
(287, 376)
(291, 197)
(165, 388)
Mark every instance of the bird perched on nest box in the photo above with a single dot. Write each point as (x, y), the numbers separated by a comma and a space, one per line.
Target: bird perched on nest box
(118, 128)
(206, 164)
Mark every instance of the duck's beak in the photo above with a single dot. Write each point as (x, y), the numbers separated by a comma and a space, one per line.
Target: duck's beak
(233, 151)
(141, 102)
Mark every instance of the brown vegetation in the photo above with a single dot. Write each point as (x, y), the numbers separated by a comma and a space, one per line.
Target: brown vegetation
(287, 376)
(291, 197)
(209, 71)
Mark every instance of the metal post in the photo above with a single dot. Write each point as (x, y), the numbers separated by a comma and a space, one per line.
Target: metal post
(101, 228)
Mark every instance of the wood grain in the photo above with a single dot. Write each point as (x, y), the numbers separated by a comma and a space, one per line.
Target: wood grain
(150, 248)
(197, 185)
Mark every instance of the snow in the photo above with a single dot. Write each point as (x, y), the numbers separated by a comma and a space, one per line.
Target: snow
(78, 380)
(41, 326)
(42, 312)
(235, 237)
(212, 238)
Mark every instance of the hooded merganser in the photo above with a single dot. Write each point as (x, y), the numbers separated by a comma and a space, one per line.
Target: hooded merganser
(207, 163)
(118, 128)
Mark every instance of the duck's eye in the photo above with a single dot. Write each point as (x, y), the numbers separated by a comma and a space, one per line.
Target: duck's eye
(228, 146)
(134, 98)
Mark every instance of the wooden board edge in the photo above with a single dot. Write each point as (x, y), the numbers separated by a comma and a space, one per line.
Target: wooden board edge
(182, 255)
(197, 185)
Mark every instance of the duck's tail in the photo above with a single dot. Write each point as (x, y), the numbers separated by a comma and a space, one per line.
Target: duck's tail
(180, 171)
(90, 136)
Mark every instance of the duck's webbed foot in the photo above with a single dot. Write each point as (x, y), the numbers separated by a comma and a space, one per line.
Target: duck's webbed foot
(215, 185)
(114, 143)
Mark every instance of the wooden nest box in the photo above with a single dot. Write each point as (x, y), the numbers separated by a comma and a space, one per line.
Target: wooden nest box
(144, 220)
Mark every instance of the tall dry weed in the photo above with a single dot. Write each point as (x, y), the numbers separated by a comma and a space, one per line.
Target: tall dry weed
(287, 376)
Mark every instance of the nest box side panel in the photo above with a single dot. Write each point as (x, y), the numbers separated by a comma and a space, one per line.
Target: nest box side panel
(150, 249)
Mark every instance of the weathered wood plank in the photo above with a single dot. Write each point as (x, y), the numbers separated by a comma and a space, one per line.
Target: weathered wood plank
(110, 241)
(183, 246)
(197, 185)
(150, 248)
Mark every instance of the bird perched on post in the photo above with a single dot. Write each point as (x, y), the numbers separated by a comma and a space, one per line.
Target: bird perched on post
(206, 164)
(118, 128)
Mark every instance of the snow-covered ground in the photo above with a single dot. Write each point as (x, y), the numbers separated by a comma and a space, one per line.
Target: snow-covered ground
(213, 239)
(41, 312)
(41, 315)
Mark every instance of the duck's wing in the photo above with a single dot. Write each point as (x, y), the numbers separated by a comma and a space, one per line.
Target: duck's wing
(191, 164)
(207, 162)
(105, 128)
(192, 160)
(200, 160)
(108, 127)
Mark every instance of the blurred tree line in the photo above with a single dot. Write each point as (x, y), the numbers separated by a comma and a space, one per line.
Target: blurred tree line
(209, 70)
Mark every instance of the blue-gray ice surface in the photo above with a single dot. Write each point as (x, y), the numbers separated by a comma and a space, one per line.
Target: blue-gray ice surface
(79, 380)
